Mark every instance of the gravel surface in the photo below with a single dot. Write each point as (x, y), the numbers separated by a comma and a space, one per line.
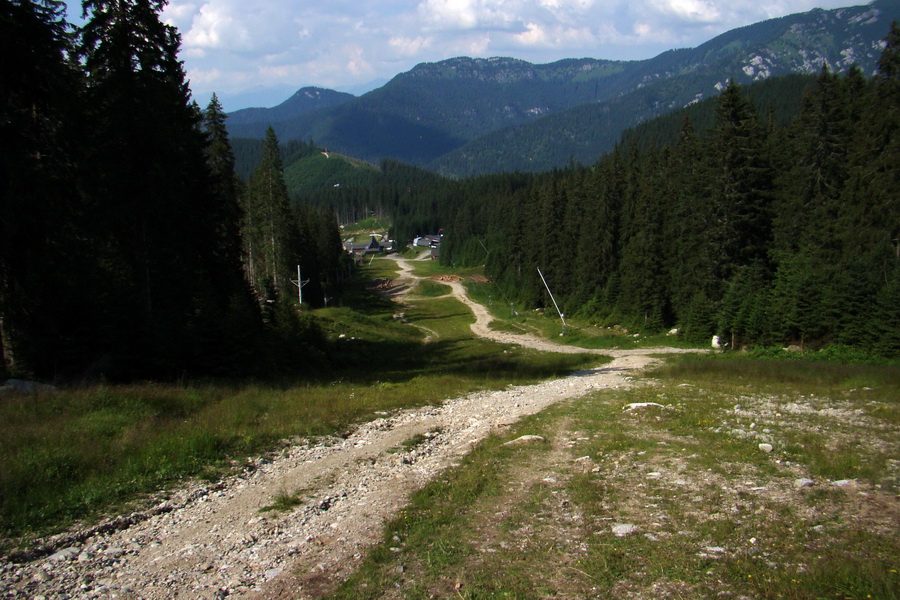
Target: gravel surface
(213, 541)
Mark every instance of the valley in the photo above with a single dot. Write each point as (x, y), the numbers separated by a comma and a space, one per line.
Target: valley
(232, 538)
(601, 482)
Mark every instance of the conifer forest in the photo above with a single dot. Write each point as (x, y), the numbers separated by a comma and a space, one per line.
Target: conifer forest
(759, 233)
(767, 228)
(129, 247)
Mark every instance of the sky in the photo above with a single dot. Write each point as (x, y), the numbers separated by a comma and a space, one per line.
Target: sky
(258, 52)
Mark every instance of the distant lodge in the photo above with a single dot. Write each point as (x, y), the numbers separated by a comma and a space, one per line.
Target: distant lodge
(374, 246)
(429, 241)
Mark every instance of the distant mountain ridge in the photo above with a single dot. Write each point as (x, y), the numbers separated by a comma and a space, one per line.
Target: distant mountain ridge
(465, 116)
(304, 100)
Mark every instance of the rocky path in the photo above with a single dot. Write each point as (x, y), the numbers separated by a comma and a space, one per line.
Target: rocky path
(213, 541)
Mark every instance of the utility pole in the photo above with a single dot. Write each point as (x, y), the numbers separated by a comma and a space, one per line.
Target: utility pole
(561, 316)
(299, 283)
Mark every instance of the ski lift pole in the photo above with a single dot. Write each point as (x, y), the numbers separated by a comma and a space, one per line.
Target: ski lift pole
(562, 317)
(299, 283)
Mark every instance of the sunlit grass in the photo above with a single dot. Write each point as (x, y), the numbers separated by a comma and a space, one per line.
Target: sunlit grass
(431, 289)
(716, 516)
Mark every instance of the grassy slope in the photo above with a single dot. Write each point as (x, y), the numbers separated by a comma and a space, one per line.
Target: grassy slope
(715, 516)
(77, 453)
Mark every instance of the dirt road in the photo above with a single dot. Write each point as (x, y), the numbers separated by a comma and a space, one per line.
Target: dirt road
(213, 541)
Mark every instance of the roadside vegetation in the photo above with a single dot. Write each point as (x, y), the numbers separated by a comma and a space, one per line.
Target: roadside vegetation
(673, 499)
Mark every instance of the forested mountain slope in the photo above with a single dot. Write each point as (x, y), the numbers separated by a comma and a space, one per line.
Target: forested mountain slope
(759, 233)
(739, 216)
(436, 108)
(304, 100)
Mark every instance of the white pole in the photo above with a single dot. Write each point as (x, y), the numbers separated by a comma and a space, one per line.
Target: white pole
(299, 283)
(561, 316)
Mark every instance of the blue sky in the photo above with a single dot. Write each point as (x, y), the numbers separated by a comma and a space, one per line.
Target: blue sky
(257, 52)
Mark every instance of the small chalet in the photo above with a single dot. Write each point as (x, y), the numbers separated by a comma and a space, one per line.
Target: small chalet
(373, 246)
(427, 241)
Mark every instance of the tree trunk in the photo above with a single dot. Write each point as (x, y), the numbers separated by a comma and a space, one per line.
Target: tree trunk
(5, 351)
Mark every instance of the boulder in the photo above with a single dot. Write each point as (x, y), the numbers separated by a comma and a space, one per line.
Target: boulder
(623, 529)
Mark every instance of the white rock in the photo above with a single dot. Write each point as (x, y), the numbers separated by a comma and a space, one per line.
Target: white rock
(636, 405)
(65, 554)
(525, 439)
(803, 482)
(623, 529)
(843, 482)
(766, 447)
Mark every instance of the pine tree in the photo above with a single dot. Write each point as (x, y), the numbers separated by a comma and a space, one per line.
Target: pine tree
(41, 253)
(226, 188)
(269, 230)
(689, 218)
(642, 295)
(741, 184)
(157, 223)
(869, 213)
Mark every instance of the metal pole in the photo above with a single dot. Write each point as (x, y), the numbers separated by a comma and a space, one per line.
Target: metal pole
(561, 315)
(299, 286)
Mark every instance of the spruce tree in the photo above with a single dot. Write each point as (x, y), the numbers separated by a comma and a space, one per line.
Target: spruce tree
(740, 185)
(269, 229)
(154, 210)
(43, 264)
(226, 188)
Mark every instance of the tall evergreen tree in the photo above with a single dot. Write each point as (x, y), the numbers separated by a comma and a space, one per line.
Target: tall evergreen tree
(41, 254)
(270, 229)
(154, 211)
(741, 184)
(226, 188)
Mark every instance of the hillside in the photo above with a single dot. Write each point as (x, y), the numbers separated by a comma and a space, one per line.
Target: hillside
(304, 100)
(455, 483)
(427, 115)
(584, 133)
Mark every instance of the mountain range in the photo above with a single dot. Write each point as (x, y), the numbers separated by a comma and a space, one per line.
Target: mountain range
(467, 116)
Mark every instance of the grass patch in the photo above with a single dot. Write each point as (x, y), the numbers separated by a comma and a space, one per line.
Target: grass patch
(428, 550)
(284, 501)
(414, 442)
(431, 289)
(546, 323)
(872, 381)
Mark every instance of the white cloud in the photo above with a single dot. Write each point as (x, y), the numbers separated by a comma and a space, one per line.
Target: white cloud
(230, 45)
(215, 27)
(534, 35)
(690, 11)
(405, 46)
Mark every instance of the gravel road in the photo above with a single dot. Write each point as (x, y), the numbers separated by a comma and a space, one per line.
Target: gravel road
(212, 541)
